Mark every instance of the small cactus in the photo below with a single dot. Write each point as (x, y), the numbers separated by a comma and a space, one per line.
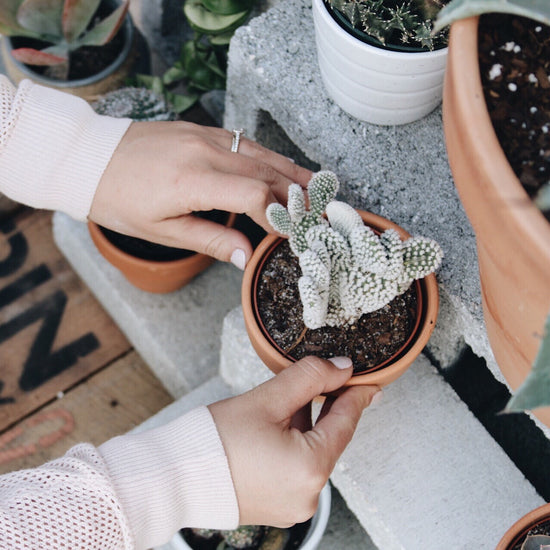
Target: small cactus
(347, 269)
(65, 25)
(395, 22)
(244, 536)
(139, 104)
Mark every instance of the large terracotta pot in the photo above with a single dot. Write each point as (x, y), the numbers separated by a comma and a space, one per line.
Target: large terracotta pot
(524, 524)
(513, 237)
(382, 375)
(158, 277)
(90, 88)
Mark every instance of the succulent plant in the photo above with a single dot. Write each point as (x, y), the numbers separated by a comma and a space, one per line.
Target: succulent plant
(244, 536)
(140, 104)
(539, 10)
(347, 269)
(536, 542)
(64, 24)
(395, 22)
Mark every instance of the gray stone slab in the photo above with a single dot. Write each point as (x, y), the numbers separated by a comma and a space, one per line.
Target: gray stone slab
(421, 470)
(399, 172)
(177, 334)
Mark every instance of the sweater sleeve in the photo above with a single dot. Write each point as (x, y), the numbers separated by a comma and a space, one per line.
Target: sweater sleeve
(53, 147)
(132, 493)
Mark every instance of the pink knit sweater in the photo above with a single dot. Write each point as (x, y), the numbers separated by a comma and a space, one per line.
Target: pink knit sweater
(134, 491)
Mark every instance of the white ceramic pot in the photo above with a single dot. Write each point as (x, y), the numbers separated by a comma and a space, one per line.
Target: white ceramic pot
(313, 536)
(374, 84)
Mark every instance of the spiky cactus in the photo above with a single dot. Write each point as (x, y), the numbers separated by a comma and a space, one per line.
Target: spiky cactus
(395, 22)
(347, 269)
(64, 24)
(140, 104)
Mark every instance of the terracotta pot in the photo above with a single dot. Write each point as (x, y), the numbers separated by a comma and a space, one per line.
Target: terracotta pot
(513, 237)
(373, 83)
(158, 277)
(111, 78)
(519, 529)
(381, 375)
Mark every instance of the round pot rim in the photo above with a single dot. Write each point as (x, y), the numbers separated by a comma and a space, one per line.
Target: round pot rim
(525, 220)
(313, 536)
(119, 257)
(128, 30)
(428, 297)
(519, 528)
(381, 51)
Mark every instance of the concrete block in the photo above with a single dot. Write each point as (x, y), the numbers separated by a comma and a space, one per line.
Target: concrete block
(421, 470)
(177, 334)
(400, 172)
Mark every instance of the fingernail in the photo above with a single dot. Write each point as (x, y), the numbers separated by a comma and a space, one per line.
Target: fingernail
(376, 398)
(238, 258)
(291, 160)
(341, 362)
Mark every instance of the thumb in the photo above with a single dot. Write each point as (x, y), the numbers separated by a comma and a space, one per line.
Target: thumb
(213, 239)
(304, 380)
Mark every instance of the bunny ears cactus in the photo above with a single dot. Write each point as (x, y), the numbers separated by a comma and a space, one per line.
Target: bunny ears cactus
(65, 24)
(347, 269)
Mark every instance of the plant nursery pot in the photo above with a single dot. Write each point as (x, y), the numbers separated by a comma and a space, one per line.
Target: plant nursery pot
(372, 83)
(519, 530)
(512, 235)
(90, 87)
(312, 538)
(384, 373)
(155, 276)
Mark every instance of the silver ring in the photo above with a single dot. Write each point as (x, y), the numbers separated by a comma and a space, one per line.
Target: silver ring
(236, 139)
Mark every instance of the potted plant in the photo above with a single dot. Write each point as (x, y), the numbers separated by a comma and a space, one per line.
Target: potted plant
(85, 47)
(149, 266)
(378, 59)
(303, 536)
(512, 233)
(343, 287)
(531, 532)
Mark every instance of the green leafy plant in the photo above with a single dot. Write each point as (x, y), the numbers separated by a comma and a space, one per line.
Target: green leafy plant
(395, 22)
(539, 10)
(347, 268)
(139, 104)
(535, 390)
(63, 25)
(202, 64)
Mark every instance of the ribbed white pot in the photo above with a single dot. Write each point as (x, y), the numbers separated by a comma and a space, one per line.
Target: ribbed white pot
(313, 537)
(374, 84)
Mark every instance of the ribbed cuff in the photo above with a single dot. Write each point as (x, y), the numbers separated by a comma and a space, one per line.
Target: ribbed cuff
(57, 150)
(171, 477)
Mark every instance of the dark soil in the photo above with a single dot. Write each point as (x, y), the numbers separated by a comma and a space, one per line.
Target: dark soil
(146, 250)
(374, 338)
(297, 534)
(514, 56)
(540, 529)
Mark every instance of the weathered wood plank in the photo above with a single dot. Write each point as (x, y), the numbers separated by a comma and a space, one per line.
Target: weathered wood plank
(109, 403)
(53, 332)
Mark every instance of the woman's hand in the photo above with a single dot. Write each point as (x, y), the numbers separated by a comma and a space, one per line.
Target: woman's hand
(161, 172)
(278, 462)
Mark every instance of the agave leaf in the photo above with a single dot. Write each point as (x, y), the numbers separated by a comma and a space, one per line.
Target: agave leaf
(30, 56)
(104, 31)
(535, 390)
(77, 14)
(539, 10)
(42, 16)
(9, 26)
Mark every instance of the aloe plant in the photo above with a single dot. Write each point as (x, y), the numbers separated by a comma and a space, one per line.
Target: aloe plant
(536, 542)
(539, 10)
(66, 25)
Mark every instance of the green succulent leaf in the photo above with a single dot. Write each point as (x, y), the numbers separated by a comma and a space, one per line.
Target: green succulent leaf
(207, 22)
(41, 16)
(181, 102)
(221, 40)
(539, 10)
(198, 67)
(9, 26)
(174, 74)
(535, 390)
(227, 7)
(106, 29)
(30, 56)
(77, 16)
